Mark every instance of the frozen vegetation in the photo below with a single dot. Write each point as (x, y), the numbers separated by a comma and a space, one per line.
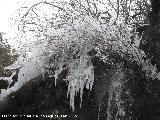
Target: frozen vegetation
(64, 42)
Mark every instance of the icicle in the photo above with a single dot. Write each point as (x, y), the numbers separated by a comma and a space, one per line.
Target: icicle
(80, 75)
(99, 109)
(57, 72)
(115, 94)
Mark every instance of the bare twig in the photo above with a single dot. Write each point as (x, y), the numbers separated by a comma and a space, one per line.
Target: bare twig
(31, 8)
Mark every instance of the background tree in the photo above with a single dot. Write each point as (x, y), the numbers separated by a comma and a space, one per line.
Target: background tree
(5, 53)
(6, 58)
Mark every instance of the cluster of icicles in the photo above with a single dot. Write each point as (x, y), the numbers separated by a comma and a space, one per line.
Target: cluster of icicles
(69, 45)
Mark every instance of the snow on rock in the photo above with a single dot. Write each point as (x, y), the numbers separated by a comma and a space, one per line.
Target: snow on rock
(66, 42)
(29, 67)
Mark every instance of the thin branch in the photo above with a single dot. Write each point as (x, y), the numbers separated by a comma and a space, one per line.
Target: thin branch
(112, 5)
(135, 15)
(89, 8)
(117, 9)
(34, 12)
(31, 8)
(95, 7)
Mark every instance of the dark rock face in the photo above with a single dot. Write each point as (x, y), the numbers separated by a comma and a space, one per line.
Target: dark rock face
(148, 92)
(150, 42)
(139, 98)
(3, 84)
(39, 97)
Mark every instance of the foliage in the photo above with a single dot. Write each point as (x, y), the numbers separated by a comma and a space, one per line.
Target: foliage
(133, 12)
(5, 52)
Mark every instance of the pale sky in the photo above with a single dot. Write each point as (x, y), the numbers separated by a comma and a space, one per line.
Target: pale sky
(7, 9)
